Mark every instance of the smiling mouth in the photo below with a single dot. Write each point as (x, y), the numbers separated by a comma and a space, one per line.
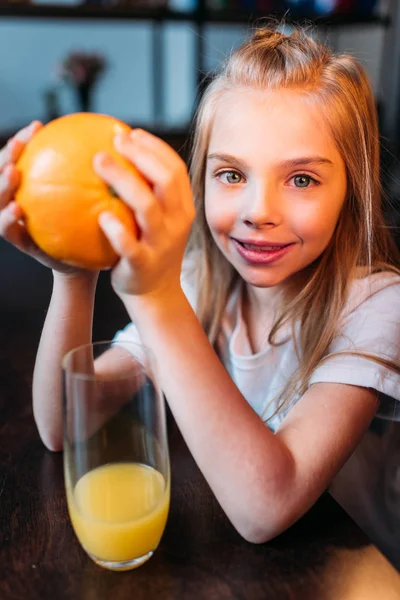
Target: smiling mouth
(260, 247)
(258, 253)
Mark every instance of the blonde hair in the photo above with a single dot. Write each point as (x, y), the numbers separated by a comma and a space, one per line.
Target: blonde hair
(271, 60)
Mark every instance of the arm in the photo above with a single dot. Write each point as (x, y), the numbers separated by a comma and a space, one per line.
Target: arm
(68, 324)
(263, 481)
(69, 318)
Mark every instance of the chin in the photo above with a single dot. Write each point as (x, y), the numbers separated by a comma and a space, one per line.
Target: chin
(262, 280)
(265, 278)
(265, 284)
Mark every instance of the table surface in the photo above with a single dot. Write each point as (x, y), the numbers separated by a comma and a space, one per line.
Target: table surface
(323, 556)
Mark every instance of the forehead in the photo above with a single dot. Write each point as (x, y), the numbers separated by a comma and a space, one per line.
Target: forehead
(270, 124)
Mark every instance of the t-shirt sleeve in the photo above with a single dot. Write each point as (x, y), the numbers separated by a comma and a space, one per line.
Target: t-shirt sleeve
(372, 326)
(130, 333)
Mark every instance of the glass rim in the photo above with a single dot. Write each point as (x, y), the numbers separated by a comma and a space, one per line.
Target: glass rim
(124, 345)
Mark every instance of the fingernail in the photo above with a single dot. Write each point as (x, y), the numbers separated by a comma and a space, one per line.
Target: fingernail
(27, 131)
(120, 139)
(8, 172)
(32, 126)
(106, 217)
(11, 143)
(137, 134)
(104, 159)
(109, 222)
(13, 209)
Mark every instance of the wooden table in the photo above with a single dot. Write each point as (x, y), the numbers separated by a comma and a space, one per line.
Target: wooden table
(324, 556)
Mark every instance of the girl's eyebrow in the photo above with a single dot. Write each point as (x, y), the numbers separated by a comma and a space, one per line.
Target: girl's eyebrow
(236, 162)
(285, 164)
(304, 161)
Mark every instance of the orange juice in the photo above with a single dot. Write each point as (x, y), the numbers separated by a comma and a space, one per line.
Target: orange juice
(119, 510)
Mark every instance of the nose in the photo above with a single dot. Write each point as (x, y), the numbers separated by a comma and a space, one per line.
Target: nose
(262, 208)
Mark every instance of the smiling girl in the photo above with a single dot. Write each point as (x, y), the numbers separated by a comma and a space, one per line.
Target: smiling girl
(280, 335)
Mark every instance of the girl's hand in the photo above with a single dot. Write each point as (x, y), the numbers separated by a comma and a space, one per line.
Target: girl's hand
(164, 211)
(12, 227)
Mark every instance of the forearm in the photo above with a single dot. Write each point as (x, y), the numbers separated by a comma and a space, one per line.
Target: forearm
(68, 324)
(244, 463)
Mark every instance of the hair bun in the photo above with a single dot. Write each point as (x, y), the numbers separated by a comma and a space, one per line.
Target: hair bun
(268, 35)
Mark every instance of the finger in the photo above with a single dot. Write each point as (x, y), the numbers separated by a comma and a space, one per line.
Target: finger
(13, 149)
(120, 238)
(25, 134)
(10, 153)
(135, 192)
(9, 181)
(160, 165)
(158, 146)
(11, 229)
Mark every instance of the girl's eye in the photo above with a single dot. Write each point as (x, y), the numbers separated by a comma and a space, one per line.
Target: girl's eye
(303, 181)
(231, 177)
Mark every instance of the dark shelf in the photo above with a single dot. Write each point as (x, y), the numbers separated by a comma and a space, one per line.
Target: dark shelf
(326, 21)
(91, 12)
(83, 11)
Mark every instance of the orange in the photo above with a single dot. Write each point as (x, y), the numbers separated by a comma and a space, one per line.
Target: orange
(61, 194)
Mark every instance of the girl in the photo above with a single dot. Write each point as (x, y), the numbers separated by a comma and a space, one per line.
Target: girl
(277, 340)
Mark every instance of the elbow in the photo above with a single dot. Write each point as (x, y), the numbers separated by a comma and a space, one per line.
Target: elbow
(48, 432)
(263, 525)
(256, 536)
(257, 532)
(52, 442)
(262, 521)
(266, 527)
(271, 507)
(52, 445)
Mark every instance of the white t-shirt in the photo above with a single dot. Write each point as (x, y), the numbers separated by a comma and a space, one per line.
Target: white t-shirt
(370, 322)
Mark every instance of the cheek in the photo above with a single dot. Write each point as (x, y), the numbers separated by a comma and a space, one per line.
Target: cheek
(314, 225)
(220, 216)
(316, 221)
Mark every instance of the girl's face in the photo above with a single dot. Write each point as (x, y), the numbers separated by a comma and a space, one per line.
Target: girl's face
(275, 184)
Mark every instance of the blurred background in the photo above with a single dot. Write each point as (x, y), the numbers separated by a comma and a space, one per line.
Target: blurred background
(147, 58)
(147, 62)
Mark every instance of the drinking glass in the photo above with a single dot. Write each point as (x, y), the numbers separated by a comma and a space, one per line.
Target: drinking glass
(116, 461)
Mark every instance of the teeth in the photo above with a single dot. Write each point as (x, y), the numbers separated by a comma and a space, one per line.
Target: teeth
(262, 248)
